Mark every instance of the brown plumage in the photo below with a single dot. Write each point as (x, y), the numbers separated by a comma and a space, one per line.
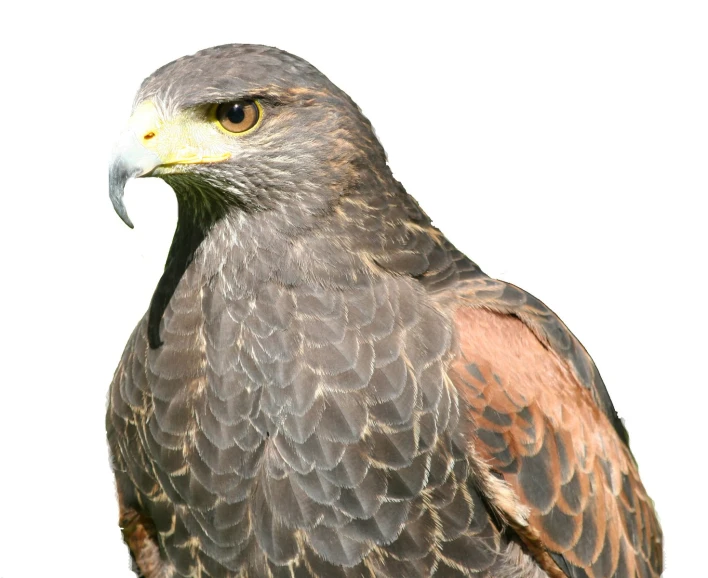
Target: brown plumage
(324, 386)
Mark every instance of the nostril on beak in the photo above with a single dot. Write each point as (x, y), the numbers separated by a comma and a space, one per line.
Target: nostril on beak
(149, 135)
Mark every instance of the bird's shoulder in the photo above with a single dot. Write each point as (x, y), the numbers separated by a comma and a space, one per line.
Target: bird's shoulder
(509, 301)
(544, 422)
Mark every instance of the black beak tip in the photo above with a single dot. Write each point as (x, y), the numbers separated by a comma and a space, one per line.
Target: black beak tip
(117, 178)
(124, 217)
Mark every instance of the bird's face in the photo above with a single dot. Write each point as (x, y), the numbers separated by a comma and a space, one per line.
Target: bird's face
(245, 126)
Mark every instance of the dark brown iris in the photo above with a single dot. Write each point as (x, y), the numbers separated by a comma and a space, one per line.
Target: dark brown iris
(238, 116)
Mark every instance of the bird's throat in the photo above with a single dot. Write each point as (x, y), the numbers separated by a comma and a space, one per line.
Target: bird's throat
(198, 211)
(188, 236)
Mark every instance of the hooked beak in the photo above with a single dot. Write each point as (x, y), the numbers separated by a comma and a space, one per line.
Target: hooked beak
(130, 160)
(132, 156)
(149, 142)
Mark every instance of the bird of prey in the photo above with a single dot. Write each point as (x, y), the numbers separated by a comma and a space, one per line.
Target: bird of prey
(323, 386)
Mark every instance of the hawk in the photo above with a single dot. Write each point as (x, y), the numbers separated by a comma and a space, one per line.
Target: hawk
(323, 386)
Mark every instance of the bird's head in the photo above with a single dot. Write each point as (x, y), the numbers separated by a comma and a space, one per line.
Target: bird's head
(247, 127)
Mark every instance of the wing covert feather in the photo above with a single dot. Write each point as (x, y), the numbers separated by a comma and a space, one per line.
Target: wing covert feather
(544, 432)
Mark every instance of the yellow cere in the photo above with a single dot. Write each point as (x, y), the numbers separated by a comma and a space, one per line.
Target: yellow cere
(185, 139)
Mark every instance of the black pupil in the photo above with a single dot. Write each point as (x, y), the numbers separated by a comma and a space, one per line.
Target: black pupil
(236, 114)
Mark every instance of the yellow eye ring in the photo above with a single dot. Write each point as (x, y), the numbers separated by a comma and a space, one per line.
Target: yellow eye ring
(238, 117)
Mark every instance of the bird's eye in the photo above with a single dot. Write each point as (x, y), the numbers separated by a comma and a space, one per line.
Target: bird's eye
(238, 116)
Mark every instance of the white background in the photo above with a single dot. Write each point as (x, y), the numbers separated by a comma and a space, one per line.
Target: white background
(562, 148)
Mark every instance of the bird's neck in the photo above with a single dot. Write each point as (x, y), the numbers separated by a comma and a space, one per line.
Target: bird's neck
(334, 245)
(198, 212)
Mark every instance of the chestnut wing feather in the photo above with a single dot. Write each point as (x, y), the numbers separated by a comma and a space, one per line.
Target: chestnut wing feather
(545, 423)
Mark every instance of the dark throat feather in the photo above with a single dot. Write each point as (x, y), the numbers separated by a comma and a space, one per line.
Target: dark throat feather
(199, 208)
